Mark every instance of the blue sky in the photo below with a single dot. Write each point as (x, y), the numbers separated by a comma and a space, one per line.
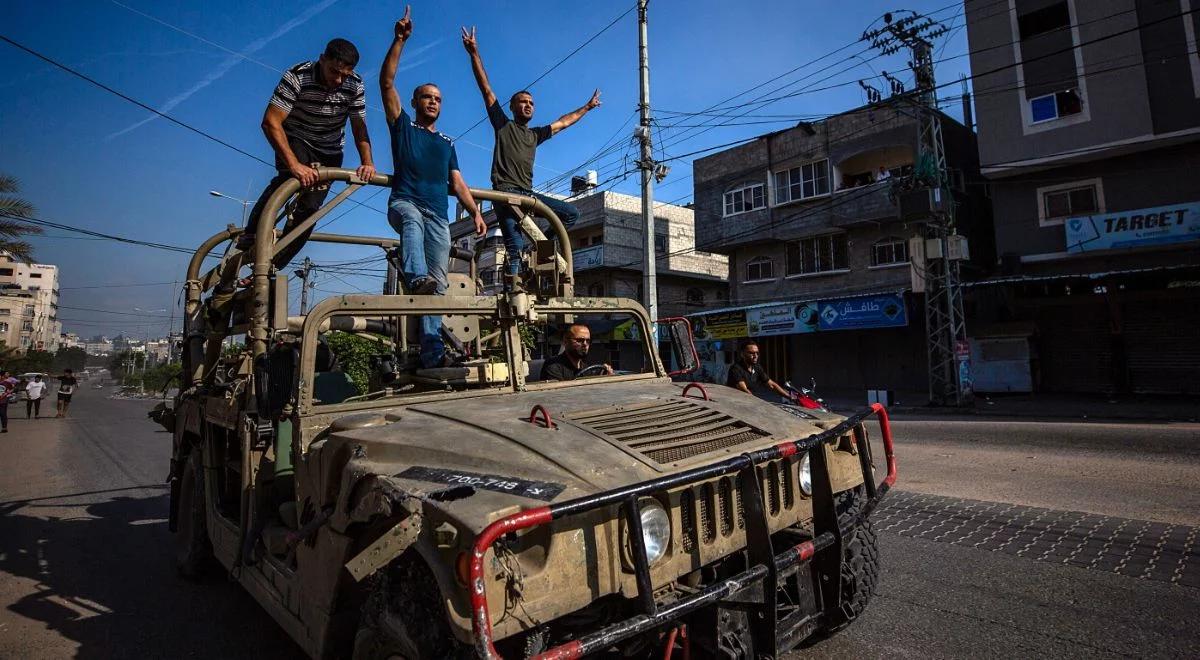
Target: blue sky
(90, 159)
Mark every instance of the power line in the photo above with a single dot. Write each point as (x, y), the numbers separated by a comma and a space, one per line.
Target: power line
(89, 232)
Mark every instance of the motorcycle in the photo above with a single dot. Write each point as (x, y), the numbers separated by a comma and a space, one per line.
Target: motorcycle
(805, 397)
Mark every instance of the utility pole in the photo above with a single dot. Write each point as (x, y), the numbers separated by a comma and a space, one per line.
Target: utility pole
(945, 327)
(646, 165)
(307, 281)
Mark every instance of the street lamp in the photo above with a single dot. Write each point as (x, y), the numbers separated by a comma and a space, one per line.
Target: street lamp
(243, 202)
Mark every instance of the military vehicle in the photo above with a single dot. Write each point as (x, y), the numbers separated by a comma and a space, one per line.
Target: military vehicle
(474, 509)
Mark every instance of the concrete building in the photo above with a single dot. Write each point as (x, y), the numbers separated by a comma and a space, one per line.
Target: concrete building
(29, 305)
(606, 243)
(1089, 136)
(98, 345)
(70, 340)
(817, 222)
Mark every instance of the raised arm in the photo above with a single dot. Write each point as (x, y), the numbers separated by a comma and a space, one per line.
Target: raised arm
(572, 117)
(387, 73)
(481, 79)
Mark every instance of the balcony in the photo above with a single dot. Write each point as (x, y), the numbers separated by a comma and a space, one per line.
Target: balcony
(869, 204)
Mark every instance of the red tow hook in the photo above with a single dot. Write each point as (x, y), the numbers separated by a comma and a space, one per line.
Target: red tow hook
(546, 421)
(687, 388)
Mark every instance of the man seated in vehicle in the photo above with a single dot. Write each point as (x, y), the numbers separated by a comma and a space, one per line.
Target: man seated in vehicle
(747, 376)
(568, 365)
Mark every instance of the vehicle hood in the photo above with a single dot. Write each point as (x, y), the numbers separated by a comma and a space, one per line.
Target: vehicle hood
(490, 444)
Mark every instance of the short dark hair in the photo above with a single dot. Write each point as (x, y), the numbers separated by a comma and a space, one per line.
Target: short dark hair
(513, 98)
(418, 88)
(342, 51)
(747, 344)
(68, 371)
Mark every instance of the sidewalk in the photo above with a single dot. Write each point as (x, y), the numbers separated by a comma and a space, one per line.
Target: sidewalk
(1138, 407)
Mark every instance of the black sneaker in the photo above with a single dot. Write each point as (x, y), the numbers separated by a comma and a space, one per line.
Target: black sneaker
(425, 286)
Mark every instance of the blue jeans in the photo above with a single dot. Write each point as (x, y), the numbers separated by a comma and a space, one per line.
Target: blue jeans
(510, 223)
(424, 252)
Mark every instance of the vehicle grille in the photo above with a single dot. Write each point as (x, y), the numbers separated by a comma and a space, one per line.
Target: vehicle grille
(716, 507)
(668, 431)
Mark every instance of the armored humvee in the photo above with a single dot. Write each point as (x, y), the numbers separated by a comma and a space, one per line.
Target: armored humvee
(476, 509)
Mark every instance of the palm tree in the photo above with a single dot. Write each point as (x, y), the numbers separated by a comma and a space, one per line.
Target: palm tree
(12, 210)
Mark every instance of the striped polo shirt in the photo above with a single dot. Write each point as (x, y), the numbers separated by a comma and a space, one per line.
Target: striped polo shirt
(316, 114)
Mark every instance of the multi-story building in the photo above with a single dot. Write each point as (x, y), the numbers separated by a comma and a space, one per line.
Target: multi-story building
(70, 340)
(1089, 136)
(817, 221)
(29, 305)
(98, 345)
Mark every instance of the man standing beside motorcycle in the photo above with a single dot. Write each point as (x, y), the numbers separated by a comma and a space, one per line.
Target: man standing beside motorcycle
(747, 376)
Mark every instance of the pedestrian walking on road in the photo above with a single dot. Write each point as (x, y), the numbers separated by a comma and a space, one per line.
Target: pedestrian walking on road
(33, 397)
(8, 390)
(66, 387)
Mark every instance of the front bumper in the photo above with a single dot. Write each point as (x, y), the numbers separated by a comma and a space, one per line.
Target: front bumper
(758, 582)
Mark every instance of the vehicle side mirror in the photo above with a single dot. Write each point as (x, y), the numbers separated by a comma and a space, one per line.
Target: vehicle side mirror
(683, 344)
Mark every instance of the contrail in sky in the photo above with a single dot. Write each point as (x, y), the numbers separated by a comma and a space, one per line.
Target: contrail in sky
(231, 61)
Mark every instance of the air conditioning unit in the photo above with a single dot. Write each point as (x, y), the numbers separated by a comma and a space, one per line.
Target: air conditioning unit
(957, 248)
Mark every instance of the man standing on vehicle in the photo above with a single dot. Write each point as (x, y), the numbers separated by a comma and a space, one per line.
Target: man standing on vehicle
(66, 387)
(577, 341)
(747, 376)
(516, 146)
(425, 164)
(305, 122)
(33, 397)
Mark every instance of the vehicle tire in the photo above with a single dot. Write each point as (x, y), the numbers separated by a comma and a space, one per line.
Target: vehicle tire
(860, 562)
(193, 549)
(404, 617)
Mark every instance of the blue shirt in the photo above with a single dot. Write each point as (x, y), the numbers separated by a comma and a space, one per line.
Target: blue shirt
(422, 162)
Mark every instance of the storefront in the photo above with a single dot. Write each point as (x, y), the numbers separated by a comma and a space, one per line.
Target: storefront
(848, 344)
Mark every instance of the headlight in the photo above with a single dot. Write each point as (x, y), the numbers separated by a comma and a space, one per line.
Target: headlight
(806, 475)
(656, 529)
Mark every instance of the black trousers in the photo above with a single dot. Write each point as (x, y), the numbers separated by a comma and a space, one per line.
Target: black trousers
(307, 202)
(33, 406)
(4, 416)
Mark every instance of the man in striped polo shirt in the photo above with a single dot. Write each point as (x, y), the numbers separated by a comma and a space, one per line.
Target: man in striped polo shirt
(305, 123)
(425, 167)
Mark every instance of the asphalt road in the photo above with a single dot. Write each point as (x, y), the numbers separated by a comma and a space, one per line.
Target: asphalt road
(1004, 538)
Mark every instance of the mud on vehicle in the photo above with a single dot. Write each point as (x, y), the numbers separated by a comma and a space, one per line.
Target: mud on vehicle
(477, 510)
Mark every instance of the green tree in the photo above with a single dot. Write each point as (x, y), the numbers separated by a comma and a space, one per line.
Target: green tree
(73, 358)
(125, 364)
(354, 356)
(13, 210)
(31, 360)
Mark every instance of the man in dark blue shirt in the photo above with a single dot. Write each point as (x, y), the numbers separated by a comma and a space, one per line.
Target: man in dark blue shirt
(425, 166)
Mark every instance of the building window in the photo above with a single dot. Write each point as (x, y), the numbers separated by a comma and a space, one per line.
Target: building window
(811, 180)
(596, 290)
(1047, 19)
(889, 251)
(1055, 106)
(660, 243)
(5, 312)
(6, 271)
(27, 326)
(760, 268)
(36, 276)
(3, 327)
(819, 254)
(695, 297)
(1059, 202)
(745, 199)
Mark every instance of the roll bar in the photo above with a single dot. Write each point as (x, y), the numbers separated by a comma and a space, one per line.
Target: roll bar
(266, 246)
